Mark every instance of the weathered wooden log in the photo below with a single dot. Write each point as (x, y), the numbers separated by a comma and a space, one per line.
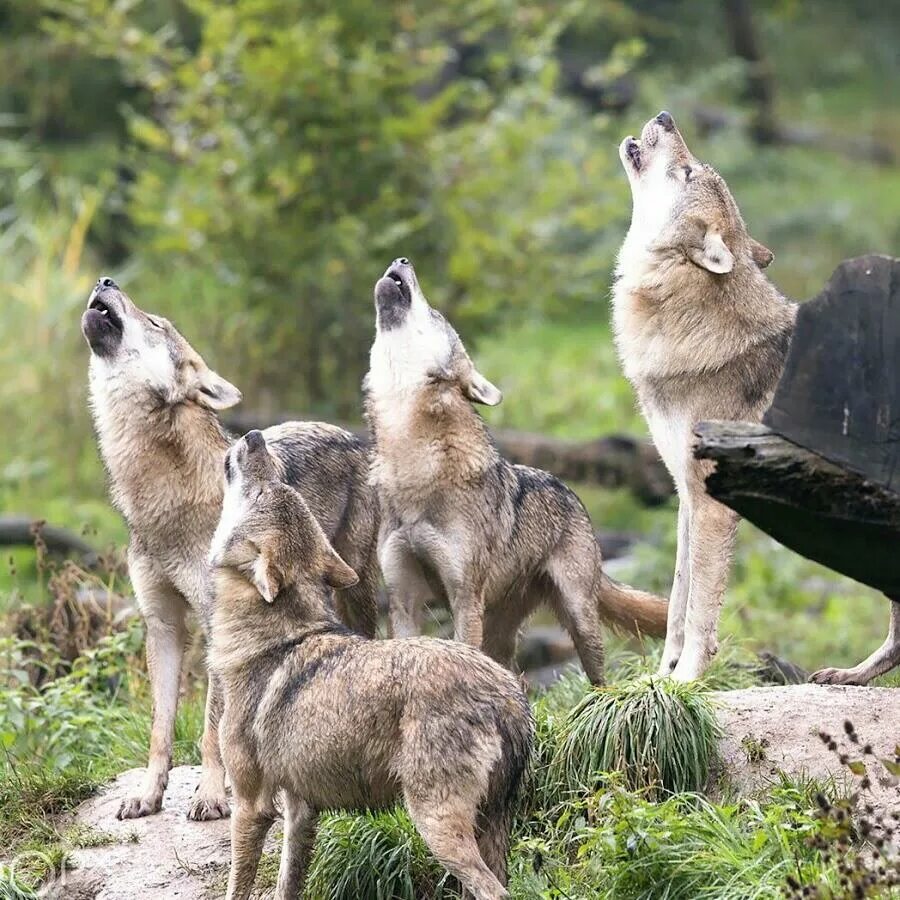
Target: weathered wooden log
(818, 508)
(822, 473)
(613, 461)
(23, 531)
(840, 391)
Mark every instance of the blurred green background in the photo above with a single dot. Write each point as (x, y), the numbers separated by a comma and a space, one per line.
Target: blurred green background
(249, 168)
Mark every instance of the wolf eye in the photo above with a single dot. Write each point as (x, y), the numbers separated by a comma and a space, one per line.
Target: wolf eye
(228, 468)
(687, 173)
(154, 323)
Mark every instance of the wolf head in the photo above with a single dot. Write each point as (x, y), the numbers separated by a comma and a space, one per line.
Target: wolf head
(145, 355)
(684, 205)
(267, 534)
(416, 346)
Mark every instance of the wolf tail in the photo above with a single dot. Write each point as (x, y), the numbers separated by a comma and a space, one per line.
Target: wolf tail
(632, 610)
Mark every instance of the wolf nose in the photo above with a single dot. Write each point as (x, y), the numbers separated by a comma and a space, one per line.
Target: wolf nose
(255, 439)
(666, 121)
(402, 261)
(106, 281)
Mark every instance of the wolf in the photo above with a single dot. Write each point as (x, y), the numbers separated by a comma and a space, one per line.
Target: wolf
(701, 334)
(459, 522)
(155, 403)
(336, 721)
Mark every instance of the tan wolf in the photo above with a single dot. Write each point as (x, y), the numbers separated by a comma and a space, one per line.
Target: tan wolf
(154, 404)
(459, 522)
(702, 334)
(336, 721)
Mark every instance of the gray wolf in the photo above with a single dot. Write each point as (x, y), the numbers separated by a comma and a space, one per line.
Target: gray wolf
(460, 523)
(155, 402)
(702, 334)
(334, 720)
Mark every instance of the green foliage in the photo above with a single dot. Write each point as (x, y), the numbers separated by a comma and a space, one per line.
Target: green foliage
(658, 733)
(616, 844)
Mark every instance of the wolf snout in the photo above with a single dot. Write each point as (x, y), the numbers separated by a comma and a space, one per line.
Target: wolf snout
(104, 281)
(665, 121)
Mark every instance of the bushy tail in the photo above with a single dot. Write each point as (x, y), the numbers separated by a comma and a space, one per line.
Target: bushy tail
(632, 610)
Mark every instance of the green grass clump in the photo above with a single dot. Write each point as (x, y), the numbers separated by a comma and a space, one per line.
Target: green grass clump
(376, 855)
(660, 734)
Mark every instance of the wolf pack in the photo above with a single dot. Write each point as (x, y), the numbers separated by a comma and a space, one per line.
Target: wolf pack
(277, 541)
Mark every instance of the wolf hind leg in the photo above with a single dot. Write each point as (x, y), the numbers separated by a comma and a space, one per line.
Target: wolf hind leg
(681, 587)
(575, 603)
(493, 845)
(448, 828)
(885, 658)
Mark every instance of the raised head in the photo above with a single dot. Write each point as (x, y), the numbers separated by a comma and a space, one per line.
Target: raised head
(683, 206)
(416, 346)
(145, 355)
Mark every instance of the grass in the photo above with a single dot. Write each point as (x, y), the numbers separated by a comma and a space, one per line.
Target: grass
(659, 735)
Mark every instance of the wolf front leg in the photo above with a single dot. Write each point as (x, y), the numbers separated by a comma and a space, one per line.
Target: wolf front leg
(210, 800)
(300, 822)
(712, 529)
(885, 658)
(681, 587)
(249, 826)
(164, 612)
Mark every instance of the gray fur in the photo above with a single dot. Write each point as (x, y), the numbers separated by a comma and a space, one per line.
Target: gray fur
(461, 524)
(334, 720)
(154, 402)
(702, 334)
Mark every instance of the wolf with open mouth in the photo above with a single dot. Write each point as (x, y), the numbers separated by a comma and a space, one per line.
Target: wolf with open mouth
(702, 334)
(155, 404)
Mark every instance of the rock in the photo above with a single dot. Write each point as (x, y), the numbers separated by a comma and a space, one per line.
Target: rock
(769, 730)
(161, 857)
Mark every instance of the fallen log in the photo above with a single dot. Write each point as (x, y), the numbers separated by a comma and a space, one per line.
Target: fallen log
(825, 511)
(24, 532)
(615, 461)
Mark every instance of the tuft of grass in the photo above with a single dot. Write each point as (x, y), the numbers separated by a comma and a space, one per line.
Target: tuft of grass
(660, 734)
(379, 856)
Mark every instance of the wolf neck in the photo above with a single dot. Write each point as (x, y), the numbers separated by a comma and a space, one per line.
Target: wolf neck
(427, 439)
(245, 627)
(673, 318)
(160, 458)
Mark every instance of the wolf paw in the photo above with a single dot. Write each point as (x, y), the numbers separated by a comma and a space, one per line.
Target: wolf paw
(207, 809)
(138, 807)
(836, 676)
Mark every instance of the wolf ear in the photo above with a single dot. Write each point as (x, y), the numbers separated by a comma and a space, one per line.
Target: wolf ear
(713, 255)
(761, 254)
(337, 573)
(265, 577)
(213, 391)
(479, 390)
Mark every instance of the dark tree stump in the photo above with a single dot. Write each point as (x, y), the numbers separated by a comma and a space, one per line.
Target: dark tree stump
(840, 392)
(822, 474)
